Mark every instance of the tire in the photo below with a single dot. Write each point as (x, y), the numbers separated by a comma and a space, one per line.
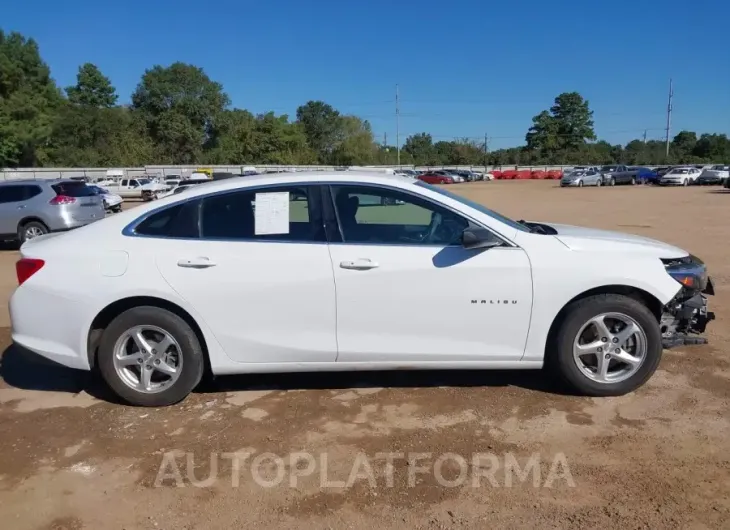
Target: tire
(30, 230)
(685, 182)
(612, 182)
(147, 196)
(190, 351)
(599, 183)
(560, 355)
(580, 183)
(633, 181)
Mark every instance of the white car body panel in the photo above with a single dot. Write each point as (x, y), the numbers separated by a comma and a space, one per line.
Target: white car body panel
(477, 306)
(269, 307)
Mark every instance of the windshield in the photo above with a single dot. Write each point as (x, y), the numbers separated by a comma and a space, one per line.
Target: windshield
(608, 168)
(142, 182)
(682, 171)
(720, 168)
(479, 207)
(578, 173)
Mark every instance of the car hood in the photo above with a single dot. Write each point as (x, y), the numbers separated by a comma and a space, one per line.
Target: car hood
(592, 239)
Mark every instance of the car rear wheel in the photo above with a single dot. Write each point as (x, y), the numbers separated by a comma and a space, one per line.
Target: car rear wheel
(611, 182)
(598, 183)
(31, 230)
(580, 183)
(607, 345)
(150, 357)
(685, 182)
(633, 181)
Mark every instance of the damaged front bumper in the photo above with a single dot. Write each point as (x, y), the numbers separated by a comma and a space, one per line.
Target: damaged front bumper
(686, 317)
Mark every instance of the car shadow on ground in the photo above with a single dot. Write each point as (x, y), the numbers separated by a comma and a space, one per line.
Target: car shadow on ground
(20, 368)
(722, 191)
(25, 370)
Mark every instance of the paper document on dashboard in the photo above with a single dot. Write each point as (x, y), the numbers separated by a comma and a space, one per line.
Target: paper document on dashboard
(272, 213)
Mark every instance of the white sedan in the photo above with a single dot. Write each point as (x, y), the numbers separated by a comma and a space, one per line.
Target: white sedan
(112, 201)
(334, 271)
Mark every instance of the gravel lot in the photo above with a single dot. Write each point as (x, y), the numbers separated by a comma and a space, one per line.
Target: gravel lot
(659, 458)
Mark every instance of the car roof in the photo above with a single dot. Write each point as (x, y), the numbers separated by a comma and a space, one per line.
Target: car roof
(35, 181)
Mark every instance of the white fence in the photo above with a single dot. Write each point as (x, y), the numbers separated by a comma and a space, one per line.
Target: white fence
(169, 171)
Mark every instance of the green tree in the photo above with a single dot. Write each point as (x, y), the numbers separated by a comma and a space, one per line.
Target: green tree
(683, 145)
(713, 148)
(92, 88)
(322, 126)
(181, 107)
(563, 131)
(28, 100)
(356, 145)
(421, 148)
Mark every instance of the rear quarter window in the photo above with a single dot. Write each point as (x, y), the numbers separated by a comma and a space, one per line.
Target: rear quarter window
(177, 221)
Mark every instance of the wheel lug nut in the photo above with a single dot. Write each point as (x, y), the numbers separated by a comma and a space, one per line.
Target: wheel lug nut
(154, 352)
(148, 367)
(604, 339)
(139, 361)
(615, 340)
(600, 350)
(618, 350)
(608, 356)
(157, 361)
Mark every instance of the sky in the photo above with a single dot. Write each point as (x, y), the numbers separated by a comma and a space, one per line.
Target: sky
(464, 68)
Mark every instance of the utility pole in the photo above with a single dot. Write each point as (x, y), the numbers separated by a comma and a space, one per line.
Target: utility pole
(669, 117)
(644, 136)
(486, 151)
(397, 125)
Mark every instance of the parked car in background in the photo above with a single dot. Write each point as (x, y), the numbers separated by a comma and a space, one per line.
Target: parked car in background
(645, 175)
(569, 170)
(31, 208)
(714, 175)
(449, 173)
(436, 178)
(680, 176)
(201, 283)
(582, 177)
(170, 183)
(112, 202)
(138, 188)
(616, 174)
(663, 170)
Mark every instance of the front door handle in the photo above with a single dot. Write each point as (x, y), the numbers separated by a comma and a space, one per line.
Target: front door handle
(21, 206)
(361, 264)
(196, 263)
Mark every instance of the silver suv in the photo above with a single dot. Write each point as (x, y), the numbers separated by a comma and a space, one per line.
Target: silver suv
(30, 208)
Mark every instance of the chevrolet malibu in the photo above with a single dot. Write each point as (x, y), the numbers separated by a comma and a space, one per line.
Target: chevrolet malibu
(344, 271)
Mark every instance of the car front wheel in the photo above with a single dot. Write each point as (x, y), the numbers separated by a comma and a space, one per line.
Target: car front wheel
(150, 357)
(607, 345)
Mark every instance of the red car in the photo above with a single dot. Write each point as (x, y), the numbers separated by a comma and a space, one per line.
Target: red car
(435, 178)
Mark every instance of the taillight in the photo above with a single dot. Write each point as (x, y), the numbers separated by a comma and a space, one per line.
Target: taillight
(62, 199)
(27, 267)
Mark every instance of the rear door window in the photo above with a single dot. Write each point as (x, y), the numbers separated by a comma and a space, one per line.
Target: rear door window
(12, 193)
(73, 189)
(282, 213)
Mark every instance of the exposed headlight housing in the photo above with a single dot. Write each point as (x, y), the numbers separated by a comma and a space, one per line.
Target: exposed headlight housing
(690, 271)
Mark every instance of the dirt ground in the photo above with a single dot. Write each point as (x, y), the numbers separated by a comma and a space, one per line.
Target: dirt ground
(658, 458)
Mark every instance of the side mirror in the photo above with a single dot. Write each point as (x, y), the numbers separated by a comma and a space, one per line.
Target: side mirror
(474, 237)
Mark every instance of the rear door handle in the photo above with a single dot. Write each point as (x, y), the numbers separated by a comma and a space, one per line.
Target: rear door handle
(196, 263)
(361, 264)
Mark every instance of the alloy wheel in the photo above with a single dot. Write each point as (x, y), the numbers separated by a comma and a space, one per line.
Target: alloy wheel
(610, 348)
(32, 232)
(147, 359)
